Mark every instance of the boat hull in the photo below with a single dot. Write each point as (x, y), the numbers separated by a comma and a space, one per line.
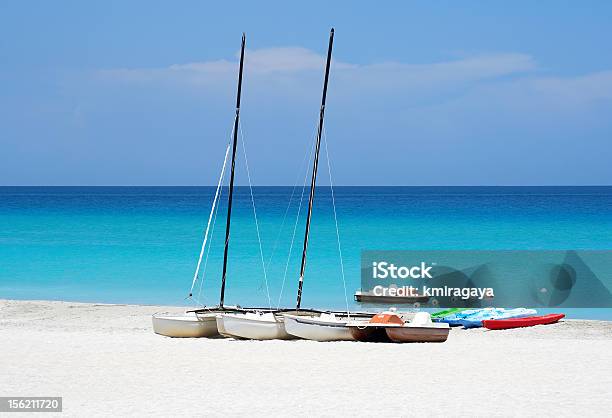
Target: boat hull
(188, 325)
(370, 334)
(316, 329)
(417, 334)
(220, 326)
(251, 328)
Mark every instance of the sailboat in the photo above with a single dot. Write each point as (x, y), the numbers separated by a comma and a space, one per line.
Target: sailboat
(203, 322)
(295, 323)
(271, 325)
(319, 326)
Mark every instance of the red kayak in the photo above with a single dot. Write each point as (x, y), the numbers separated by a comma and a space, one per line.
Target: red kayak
(522, 322)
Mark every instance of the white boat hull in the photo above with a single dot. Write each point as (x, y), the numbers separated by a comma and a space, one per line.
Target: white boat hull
(185, 325)
(317, 329)
(253, 326)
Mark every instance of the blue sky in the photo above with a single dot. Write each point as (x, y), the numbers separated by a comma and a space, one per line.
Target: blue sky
(421, 93)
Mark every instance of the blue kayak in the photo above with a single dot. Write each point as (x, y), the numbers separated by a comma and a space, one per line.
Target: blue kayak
(472, 318)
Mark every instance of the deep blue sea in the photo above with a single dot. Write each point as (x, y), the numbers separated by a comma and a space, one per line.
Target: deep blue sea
(141, 244)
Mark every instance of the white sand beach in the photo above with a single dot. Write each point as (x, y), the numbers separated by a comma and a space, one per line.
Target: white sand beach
(105, 360)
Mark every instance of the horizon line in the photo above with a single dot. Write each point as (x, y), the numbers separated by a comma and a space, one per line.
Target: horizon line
(323, 185)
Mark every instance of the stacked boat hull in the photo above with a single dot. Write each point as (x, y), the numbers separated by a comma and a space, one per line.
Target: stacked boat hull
(473, 318)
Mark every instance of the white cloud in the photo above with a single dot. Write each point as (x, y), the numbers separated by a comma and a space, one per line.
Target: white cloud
(539, 96)
(469, 68)
(267, 60)
(294, 62)
(594, 86)
(513, 78)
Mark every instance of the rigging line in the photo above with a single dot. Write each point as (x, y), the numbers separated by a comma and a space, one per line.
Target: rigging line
(212, 235)
(297, 219)
(331, 185)
(229, 141)
(197, 300)
(263, 264)
(295, 184)
(212, 210)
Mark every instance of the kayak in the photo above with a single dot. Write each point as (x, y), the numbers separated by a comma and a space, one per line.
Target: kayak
(446, 312)
(472, 318)
(522, 322)
(454, 319)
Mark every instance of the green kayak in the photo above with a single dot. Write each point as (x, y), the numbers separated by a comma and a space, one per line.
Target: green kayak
(446, 312)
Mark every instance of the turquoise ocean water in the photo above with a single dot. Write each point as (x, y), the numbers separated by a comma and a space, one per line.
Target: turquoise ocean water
(140, 244)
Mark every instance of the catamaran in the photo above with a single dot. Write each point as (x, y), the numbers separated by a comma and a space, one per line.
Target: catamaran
(321, 326)
(203, 322)
(259, 323)
(271, 325)
(298, 322)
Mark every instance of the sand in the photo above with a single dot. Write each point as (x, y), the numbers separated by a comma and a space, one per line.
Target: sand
(105, 360)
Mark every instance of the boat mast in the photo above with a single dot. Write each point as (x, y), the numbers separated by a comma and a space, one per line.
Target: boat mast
(314, 170)
(231, 184)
